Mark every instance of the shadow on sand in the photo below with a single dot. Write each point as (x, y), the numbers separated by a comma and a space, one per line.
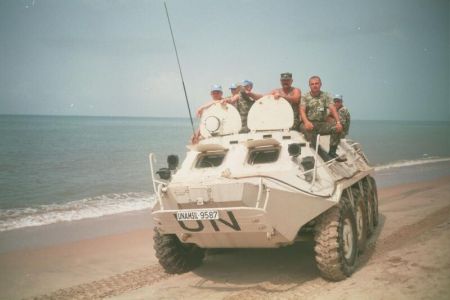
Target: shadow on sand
(249, 268)
(269, 269)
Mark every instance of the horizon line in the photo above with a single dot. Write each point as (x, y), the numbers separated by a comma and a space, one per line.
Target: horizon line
(187, 118)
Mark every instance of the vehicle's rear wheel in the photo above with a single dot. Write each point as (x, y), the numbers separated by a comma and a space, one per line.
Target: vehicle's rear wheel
(336, 241)
(375, 201)
(361, 219)
(371, 196)
(174, 256)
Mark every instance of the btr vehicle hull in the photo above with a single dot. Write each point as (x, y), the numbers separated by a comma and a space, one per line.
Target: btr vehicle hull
(267, 188)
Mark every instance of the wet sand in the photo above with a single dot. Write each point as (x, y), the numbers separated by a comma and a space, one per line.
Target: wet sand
(408, 258)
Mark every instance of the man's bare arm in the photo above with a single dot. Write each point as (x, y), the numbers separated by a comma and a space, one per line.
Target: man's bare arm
(203, 107)
(255, 96)
(195, 138)
(275, 93)
(232, 99)
(295, 97)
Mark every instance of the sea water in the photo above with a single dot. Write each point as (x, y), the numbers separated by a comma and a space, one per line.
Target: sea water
(63, 168)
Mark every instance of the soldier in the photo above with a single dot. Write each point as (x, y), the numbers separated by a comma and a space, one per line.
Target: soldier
(216, 95)
(234, 89)
(313, 110)
(344, 115)
(244, 101)
(291, 94)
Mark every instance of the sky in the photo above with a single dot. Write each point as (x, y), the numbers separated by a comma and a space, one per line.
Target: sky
(389, 58)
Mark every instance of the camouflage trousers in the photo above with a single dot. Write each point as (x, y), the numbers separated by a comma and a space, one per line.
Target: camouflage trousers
(321, 128)
(243, 106)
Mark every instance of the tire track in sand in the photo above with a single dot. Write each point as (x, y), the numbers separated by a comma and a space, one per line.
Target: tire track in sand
(110, 286)
(407, 233)
(138, 278)
(375, 250)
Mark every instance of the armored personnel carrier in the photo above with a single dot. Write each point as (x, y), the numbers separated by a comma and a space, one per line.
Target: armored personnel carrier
(266, 188)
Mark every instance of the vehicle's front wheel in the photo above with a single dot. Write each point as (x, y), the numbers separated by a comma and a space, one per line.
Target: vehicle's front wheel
(336, 241)
(174, 256)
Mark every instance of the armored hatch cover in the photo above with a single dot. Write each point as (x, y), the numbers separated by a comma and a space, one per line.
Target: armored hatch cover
(220, 119)
(270, 114)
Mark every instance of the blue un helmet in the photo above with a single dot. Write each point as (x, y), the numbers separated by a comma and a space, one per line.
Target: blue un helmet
(246, 83)
(338, 97)
(216, 88)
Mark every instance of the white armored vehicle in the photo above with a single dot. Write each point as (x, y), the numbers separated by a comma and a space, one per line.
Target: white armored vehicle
(267, 188)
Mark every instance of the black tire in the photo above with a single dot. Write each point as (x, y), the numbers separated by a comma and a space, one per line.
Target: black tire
(375, 201)
(335, 247)
(174, 256)
(371, 197)
(361, 219)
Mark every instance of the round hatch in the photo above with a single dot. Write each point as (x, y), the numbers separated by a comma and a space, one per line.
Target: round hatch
(220, 119)
(270, 114)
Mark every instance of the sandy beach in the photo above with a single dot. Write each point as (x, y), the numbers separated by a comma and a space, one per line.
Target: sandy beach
(112, 257)
(266, 128)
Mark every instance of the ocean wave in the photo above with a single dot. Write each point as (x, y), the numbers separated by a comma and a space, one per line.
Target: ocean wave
(110, 204)
(91, 207)
(407, 163)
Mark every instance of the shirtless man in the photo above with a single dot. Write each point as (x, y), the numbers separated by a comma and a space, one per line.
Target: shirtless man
(291, 94)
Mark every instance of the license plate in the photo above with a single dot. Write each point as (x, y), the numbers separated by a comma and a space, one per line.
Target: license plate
(203, 214)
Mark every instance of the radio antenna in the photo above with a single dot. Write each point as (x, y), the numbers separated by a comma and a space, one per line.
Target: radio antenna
(179, 68)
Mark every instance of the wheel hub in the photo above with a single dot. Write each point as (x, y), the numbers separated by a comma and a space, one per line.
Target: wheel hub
(369, 212)
(359, 221)
(348, 239)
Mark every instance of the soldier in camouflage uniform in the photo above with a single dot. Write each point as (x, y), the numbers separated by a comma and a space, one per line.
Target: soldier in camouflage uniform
(244, 101)
(344, 115)
(313, 110)
(234, 89)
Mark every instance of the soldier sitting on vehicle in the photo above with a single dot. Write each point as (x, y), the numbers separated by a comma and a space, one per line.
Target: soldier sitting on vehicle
(243, 101)
(291, 94)
(313, 110)
(234, 89)
(344, 114)
(216, 95)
